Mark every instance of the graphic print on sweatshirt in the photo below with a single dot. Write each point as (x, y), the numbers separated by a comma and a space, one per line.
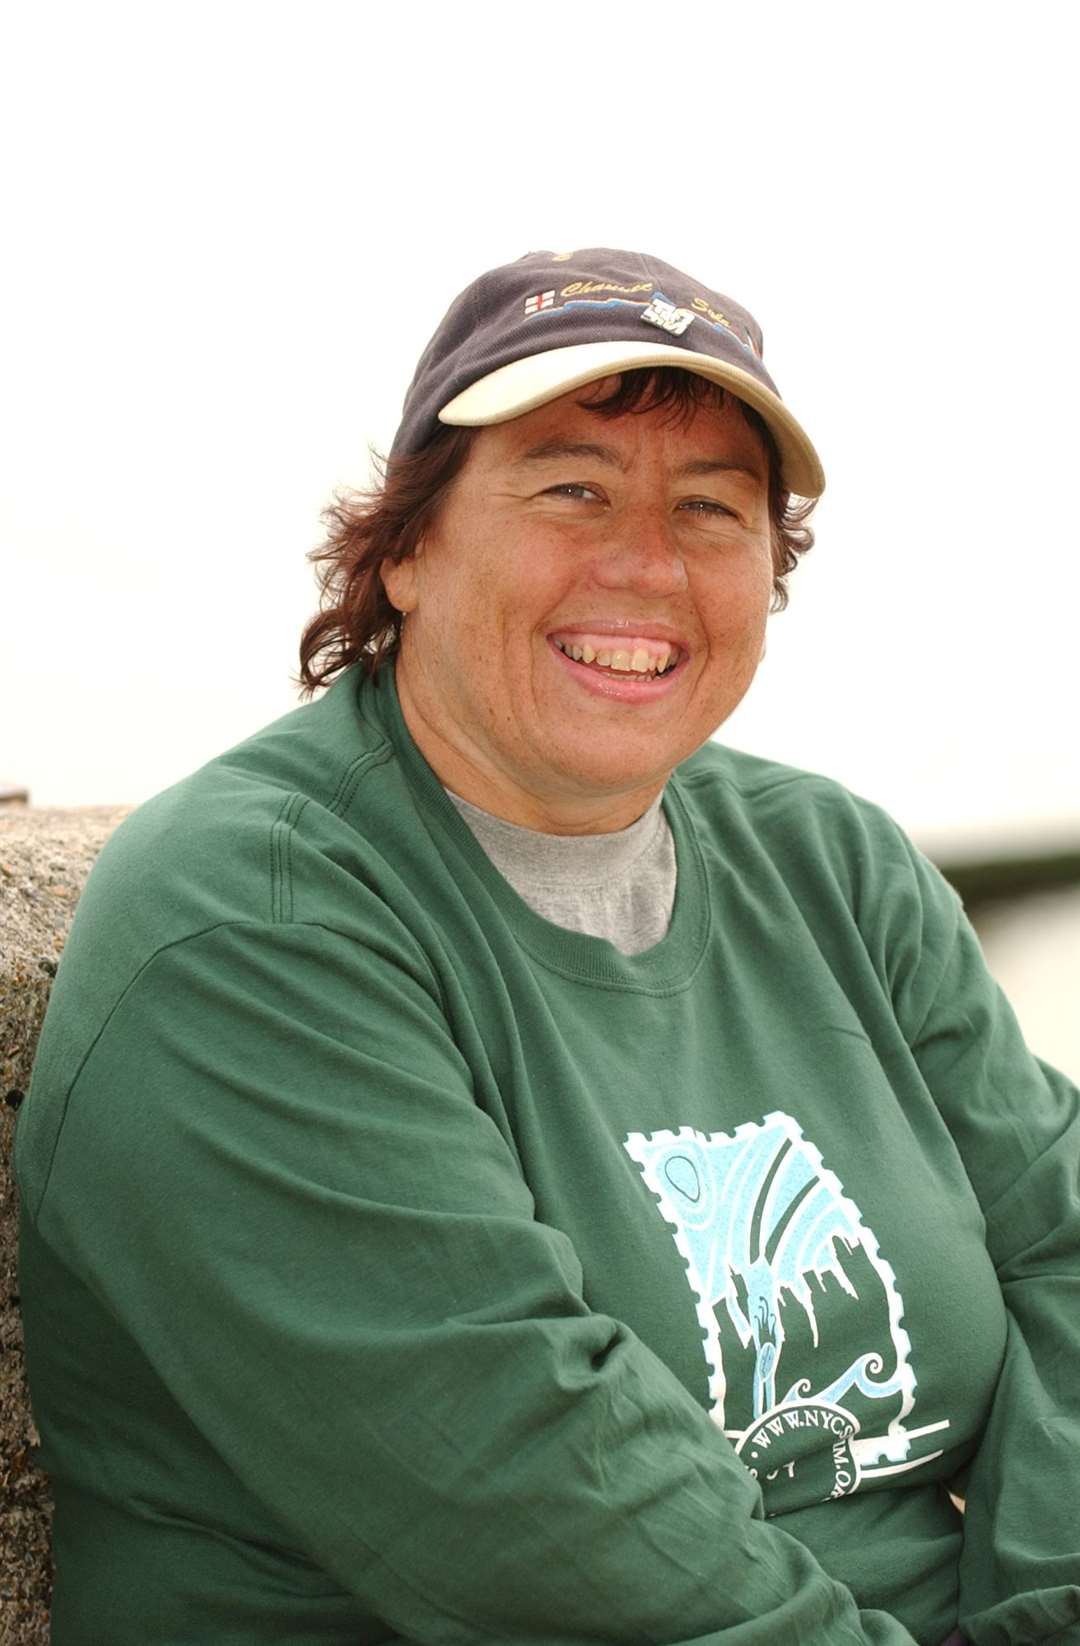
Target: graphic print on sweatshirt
(811, 1376)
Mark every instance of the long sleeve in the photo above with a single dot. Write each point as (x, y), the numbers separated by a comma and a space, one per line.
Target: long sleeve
(1016, 1124)
(273, 1174)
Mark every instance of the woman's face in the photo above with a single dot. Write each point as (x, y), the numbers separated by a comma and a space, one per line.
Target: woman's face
(588, 608)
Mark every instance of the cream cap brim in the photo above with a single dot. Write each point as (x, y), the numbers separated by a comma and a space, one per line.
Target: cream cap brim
(538, 378)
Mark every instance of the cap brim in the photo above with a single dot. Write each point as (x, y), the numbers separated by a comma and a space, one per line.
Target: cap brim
(538, 378)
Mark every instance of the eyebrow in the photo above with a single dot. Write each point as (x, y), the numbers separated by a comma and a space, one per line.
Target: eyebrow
(548, 450)
(717, 465)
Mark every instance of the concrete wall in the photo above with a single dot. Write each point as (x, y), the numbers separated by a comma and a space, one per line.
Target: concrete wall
(44, 860)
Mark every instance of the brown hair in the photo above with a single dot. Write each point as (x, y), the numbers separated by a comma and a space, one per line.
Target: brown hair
(356, 621)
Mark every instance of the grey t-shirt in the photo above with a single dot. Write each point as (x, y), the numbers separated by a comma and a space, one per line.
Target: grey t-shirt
(620, 886)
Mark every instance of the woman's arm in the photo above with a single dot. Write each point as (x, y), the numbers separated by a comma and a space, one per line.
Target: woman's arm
(1016, 1124)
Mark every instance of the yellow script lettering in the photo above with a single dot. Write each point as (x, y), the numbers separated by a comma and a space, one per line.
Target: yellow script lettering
(702, 307)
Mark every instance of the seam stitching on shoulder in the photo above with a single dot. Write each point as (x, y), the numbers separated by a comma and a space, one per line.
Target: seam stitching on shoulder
(352, 774)
(275, 858)
(303, 801)
(378, 757)
(281, 838)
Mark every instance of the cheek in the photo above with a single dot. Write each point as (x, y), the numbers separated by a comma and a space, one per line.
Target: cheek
(737, 602)
(450, 598)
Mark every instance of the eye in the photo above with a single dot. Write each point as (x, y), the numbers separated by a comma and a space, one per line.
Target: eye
(707, 505)
(576, 491)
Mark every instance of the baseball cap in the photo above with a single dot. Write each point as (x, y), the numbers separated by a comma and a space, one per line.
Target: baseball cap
(535, 329)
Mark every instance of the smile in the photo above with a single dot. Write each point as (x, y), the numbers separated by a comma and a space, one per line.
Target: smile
(623, 669)
(650, 659)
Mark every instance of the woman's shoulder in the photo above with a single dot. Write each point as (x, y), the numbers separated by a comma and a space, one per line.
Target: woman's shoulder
(228, 844)
(825, 841)
(774, 794)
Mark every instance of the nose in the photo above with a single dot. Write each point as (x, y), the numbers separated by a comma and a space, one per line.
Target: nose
(642, 555)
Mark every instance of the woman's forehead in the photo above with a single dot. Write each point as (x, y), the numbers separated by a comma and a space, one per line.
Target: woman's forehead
(672, 434)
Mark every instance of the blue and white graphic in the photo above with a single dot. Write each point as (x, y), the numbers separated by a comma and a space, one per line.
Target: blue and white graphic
(788, 1280)
(660, 311)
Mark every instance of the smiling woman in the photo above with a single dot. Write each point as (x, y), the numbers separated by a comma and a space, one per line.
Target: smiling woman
(613, 1141)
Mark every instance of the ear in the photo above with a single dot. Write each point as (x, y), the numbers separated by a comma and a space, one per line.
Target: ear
(400, 582)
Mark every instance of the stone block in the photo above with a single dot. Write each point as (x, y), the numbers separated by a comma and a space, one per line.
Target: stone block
(45, 857)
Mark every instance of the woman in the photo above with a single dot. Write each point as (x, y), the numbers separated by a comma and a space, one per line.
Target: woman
(502, 1167)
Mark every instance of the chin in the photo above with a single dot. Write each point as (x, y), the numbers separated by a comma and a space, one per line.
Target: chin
(615, 776)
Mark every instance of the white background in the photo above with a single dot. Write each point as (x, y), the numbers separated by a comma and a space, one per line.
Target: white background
(232, 227)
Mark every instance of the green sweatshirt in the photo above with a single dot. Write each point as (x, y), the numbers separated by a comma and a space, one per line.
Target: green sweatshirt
(399, 1266)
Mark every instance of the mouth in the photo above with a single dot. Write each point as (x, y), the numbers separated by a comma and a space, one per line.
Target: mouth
(627, 666)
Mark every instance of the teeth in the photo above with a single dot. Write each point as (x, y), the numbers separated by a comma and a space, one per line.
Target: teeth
(623, 662)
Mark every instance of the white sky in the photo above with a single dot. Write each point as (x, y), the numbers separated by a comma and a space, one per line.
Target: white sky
(232, 227)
